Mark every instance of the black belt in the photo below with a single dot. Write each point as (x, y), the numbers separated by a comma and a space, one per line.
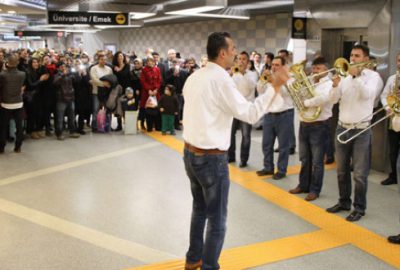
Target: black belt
(279, 113)
(315, 123)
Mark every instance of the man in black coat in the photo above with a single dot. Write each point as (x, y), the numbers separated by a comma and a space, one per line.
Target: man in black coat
(11, 88)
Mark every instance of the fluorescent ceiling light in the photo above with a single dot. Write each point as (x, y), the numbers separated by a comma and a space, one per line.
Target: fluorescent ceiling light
(140, 15)
(190, 11)
(195, 6)
(164, 18)
(227, 13)
(132, 25)
(11, 12)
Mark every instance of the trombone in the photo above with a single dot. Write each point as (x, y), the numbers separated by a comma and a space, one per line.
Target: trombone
(393, 102)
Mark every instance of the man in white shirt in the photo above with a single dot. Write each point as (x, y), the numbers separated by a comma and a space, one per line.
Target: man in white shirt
(312, 134)
(394, 137)
(246, 82)
(278, 124)
(98, 90)
(212, 100)
(357, 93)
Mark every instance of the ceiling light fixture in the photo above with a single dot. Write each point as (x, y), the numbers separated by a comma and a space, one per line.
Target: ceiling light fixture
(11, 12)
(140, 15)
(196, 6)
(227, 13)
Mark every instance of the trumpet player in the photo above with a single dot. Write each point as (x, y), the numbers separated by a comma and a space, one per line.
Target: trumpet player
(277, 124)
(312, 135)
(394, 136)
(246, 82)
(357, 94)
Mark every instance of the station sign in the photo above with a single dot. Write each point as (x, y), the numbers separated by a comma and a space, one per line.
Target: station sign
(299, 28)
(91, 18)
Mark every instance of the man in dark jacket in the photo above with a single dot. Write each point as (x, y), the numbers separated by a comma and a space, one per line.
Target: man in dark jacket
(63, 82)
(11, 88)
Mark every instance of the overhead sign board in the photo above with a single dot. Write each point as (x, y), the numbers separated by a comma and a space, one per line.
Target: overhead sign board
(38, 33)
(92, 18)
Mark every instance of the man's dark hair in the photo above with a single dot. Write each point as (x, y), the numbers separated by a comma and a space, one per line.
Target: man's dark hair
(283, 61)
(270, 55)
(319, 61)
(245, 53)
(362, 47)
(171, 88)
(155, 53)
(216, 41)
(286, 52)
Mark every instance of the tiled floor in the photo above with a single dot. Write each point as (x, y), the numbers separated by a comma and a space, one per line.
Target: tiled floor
(110, 201)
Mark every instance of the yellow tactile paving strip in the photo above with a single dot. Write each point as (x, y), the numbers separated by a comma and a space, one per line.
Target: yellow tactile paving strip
(335, 231)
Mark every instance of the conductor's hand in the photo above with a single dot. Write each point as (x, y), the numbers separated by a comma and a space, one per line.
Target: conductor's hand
(280, 78)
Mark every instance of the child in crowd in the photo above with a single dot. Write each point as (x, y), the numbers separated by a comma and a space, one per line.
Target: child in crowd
(169, 107)
(130, 104)
(129, 101)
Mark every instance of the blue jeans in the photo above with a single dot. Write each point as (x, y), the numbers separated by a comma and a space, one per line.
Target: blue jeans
(246, 140)
(277, 125)
(312, 137)
(96, 107)
(359, 152)
(209, 182)
(62, 108)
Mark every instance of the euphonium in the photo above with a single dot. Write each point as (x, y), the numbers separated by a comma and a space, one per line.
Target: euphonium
(393, 99)
(300, 90)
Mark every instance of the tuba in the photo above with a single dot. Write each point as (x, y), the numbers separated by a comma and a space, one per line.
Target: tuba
(300, 90)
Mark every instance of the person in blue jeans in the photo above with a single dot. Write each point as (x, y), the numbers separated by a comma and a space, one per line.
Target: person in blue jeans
(356, 95)
(212, 101)
(313, 133)
(278, 124)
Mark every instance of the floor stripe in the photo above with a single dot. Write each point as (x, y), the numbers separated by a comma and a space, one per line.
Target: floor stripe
(263, 253)
(124, 247)
(73, 164)
(335, 229)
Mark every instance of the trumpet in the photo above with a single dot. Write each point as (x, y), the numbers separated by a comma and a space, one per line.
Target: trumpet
(393, 102)
(235, 69)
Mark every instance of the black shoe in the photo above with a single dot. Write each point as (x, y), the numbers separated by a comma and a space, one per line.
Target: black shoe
(292, 151)
(276, 150)
(355, 216)
(242, 164)
(231, 160)
(259, 128)
(82, 132)
(264, 172)
(279, 176)
(394, 239)
(389, 181)
(337, 208)
(17, 149)
(2, 151)
(329, 161)
(178, 128)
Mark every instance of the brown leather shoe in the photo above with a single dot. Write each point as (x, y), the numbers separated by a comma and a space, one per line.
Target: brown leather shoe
(193, 266)
(311, 197)
(296, 190)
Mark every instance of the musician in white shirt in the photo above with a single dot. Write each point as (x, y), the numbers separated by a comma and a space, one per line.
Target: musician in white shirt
(394, 137)
(313, 134)
(278, 124)
(246, 82)
(211, 101)
(357, 93)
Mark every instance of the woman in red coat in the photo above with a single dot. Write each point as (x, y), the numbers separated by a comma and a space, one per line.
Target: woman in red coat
(151, 83)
